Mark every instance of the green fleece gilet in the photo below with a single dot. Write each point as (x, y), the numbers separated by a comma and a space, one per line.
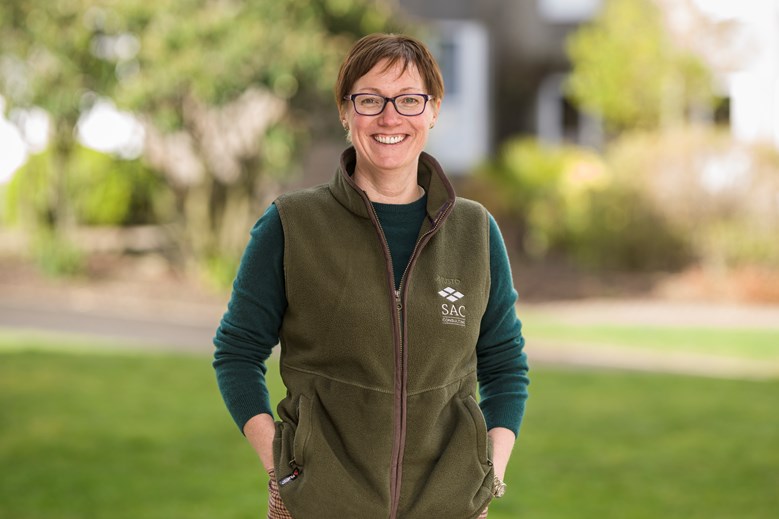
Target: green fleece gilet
(380, 419)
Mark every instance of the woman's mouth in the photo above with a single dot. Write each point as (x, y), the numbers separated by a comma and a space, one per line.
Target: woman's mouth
(389, 139)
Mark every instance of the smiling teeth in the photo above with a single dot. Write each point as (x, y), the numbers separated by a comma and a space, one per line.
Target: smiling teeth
(389, 140)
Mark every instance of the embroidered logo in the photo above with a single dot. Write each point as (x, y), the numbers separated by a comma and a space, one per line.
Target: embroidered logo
(450, 294)
(452, 313)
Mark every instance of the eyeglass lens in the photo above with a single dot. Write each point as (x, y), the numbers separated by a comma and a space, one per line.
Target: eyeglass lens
(407, 104)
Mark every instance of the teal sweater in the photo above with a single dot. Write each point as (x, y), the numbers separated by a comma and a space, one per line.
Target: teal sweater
(249, 329)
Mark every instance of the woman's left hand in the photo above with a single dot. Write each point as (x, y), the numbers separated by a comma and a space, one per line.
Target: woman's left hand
(502, 443)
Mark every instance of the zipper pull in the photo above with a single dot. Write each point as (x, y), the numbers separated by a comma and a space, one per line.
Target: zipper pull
(398, 303)
(296, 471)
(289, 479)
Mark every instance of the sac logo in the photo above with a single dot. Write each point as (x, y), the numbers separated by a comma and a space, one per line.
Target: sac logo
(452, 312)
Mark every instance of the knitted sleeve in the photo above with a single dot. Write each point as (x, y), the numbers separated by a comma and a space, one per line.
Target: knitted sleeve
(250, 328)
(502, 365)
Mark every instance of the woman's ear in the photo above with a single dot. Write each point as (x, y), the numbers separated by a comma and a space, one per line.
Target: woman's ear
(436, 106)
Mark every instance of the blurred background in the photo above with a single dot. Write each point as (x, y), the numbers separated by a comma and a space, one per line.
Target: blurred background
(629, 149)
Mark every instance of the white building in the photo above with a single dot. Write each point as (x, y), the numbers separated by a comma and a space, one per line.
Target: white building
(752, 82)
(511, 52)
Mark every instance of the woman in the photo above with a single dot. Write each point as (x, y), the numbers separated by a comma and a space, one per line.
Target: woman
(390, 298)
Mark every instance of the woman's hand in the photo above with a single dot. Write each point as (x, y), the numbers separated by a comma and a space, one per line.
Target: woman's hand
(502, 443)
(259, 430)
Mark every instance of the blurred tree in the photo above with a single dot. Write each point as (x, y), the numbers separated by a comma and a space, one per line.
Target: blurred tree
(48, 59)
(227, 92)
(628, 69)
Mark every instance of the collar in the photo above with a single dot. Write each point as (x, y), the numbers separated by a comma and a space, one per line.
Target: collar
(430, 175)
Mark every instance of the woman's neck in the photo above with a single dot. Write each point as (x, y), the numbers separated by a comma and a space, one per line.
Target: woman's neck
(388, 187)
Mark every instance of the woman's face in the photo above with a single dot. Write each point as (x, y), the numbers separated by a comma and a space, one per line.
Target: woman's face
(389, 141)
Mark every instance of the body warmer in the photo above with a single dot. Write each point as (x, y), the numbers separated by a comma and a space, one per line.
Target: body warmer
(380, 418)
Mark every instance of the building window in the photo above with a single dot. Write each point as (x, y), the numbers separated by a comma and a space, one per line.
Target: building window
(447, 61)
(558, 121)
(722, 111)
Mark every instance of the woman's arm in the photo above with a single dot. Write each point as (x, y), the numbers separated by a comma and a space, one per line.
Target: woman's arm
(250, 327)
(502, 365)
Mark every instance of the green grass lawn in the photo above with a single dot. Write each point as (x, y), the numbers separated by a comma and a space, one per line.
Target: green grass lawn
(122, 435)
(758, 344)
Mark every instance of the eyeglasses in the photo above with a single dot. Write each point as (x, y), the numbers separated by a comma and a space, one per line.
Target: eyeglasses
(373, 104)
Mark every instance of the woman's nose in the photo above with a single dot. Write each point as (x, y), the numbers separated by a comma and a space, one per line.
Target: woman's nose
(390, 114)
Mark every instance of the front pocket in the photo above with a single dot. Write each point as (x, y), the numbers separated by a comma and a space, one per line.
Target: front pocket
(334, 460)
(282, 443)
(303, 432)
(291, 437)
(482, 441)
(447, 472)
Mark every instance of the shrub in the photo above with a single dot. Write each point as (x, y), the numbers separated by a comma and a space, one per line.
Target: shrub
(620, 230)
(567, 200)
(722, 195)
(55, 256)
(102, 190)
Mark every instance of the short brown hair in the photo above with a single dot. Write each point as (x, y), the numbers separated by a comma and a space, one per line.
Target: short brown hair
(371, 49)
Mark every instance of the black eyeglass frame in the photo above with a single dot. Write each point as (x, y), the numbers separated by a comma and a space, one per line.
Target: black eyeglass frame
(352, 97)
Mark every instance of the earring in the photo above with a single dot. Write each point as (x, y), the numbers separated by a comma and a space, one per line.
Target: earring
(432, 125)
(344, 124)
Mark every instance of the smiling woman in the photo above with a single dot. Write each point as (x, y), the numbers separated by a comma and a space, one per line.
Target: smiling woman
(380, 417)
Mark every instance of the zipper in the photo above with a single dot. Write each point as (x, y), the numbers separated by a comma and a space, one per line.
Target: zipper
(398, 448)
(399, 418)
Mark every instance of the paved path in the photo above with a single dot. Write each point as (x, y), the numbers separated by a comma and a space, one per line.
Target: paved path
(661, 312)
(166, 320)
(654, 312)
(180, 322)
(154, 333)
